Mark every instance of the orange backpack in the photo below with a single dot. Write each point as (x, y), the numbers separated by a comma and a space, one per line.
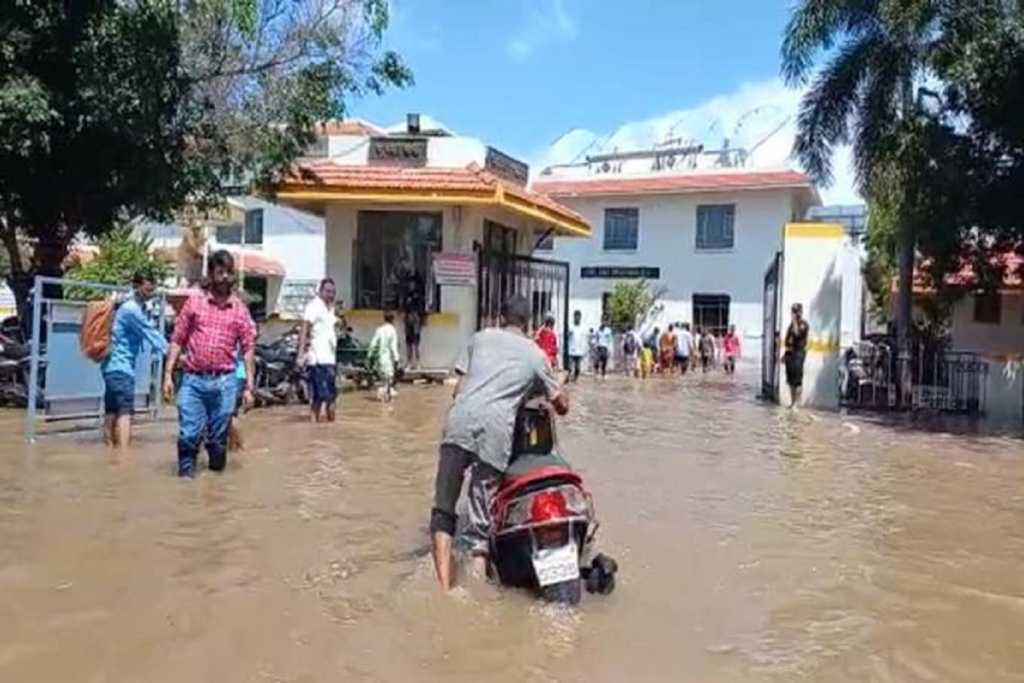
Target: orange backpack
(97, 323)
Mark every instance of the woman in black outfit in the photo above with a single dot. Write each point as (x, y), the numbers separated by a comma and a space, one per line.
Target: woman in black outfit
(796, 352)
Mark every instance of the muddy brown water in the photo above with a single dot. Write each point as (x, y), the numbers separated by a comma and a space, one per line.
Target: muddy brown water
(755, 545)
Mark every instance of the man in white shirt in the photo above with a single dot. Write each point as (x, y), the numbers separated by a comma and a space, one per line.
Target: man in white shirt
(684, 348)
(318, 343)
(578, 345)
(604, 348)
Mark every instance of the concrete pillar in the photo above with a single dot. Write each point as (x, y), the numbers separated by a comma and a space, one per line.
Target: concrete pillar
(812, 276)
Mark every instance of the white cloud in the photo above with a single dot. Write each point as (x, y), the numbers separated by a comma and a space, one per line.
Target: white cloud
(546, 22)
(760, 117)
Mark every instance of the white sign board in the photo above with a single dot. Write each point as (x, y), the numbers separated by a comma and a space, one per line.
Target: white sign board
(458, 270)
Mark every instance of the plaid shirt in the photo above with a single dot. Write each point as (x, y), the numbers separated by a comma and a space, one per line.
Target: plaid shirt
(211, 334)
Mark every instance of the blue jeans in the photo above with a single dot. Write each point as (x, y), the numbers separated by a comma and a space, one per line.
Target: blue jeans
(205, 406)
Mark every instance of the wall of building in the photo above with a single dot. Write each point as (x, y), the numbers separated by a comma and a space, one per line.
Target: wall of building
(293, 237)
(812, 276)
(445, 334)
(1007, 337)
(667, 240)
(1002, 346)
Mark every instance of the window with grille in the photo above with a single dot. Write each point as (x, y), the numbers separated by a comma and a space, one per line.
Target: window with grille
(231, 233)
(621, 229)
(711, 313)
(715, 226)
(254, 226)
(393, 266)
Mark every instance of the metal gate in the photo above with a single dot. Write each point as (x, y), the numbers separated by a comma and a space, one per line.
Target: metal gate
(770, 332)
(65, 386)
(544, 283)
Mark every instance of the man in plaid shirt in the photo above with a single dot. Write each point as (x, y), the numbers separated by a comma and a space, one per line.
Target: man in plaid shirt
(212, 327)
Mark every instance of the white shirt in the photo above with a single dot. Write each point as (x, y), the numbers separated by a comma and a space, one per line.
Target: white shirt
(684, 343)
(323, 337)
(578, 343)
(604, 337)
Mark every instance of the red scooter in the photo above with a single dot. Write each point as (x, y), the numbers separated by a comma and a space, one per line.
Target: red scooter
(543, 523)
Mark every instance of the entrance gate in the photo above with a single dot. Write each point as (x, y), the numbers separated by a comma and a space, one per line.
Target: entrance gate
(544, 283)
(770, 332)
(64, 385)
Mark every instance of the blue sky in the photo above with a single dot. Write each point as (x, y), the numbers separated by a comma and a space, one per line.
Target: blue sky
(542, 79)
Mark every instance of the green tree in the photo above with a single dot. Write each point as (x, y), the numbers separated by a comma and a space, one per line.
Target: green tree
(631, 303)
(111, 109)
(94, 124)
(876, 53)
(121, 255)
(267, 71)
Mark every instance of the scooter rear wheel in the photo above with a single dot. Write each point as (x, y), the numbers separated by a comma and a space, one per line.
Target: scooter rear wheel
(564, 593)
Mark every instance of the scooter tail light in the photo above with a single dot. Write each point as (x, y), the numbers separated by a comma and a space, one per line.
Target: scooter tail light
(548, 505)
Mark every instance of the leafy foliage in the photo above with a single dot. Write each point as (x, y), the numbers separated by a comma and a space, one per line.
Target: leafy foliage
(267, 71)
(112, 109)
(940, 166)
(631, 303)
(121, 255)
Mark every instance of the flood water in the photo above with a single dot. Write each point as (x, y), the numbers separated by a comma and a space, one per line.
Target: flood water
(754, 545)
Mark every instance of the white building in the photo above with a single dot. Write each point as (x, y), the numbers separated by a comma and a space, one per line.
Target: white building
(705, 236)
(991, 325)
(445, 217)
(279, 249)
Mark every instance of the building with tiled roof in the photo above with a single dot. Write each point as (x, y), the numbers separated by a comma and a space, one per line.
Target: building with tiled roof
(436, 225)
(700, 228)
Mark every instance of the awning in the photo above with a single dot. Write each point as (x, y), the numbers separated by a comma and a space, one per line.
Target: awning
(326, 181)
(252, 262)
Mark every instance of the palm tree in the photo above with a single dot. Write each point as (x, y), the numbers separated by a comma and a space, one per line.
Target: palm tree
(876, 52)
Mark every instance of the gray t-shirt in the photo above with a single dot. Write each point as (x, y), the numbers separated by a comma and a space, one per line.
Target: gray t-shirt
(501, 371)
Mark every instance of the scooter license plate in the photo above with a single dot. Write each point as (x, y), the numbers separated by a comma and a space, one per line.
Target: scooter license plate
(555, 565)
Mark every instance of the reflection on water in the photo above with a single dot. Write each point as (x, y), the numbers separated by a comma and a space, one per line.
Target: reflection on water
(754, 545)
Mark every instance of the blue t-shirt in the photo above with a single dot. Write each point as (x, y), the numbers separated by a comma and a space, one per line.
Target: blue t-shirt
(131, 329)
(604, 337)
(240, 367)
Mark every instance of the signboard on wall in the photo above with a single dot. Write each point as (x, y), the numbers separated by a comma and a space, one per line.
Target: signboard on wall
(455, 270)
(398, 150)
(626, 272)
(504, 166)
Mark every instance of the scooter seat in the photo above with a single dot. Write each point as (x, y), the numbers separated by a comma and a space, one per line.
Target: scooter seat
(527, 463)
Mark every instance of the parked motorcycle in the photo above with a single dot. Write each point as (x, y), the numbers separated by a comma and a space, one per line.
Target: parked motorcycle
(278, 379)
(543, 522)
(15, 362)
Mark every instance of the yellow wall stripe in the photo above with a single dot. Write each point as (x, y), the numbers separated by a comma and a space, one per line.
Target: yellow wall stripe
(819, 230)
(371, 315)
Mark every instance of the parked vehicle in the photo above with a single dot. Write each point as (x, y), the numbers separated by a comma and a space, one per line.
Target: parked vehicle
(543, 523)
(278, 379)
(15, 362)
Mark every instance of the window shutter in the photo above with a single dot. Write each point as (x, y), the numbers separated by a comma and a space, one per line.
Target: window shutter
(254, 226)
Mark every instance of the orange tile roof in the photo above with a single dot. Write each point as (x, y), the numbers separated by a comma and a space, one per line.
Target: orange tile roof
(325, 174)
(255, 262)
(671, 183)
(1011, 263)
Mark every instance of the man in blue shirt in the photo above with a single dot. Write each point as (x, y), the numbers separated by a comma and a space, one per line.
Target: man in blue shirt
(131, 329)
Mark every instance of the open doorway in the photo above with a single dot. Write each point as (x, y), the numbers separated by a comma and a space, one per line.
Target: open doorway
(711, 313)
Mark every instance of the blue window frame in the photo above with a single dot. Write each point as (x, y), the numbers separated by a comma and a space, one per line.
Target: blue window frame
(621, 229)
(715, 226)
